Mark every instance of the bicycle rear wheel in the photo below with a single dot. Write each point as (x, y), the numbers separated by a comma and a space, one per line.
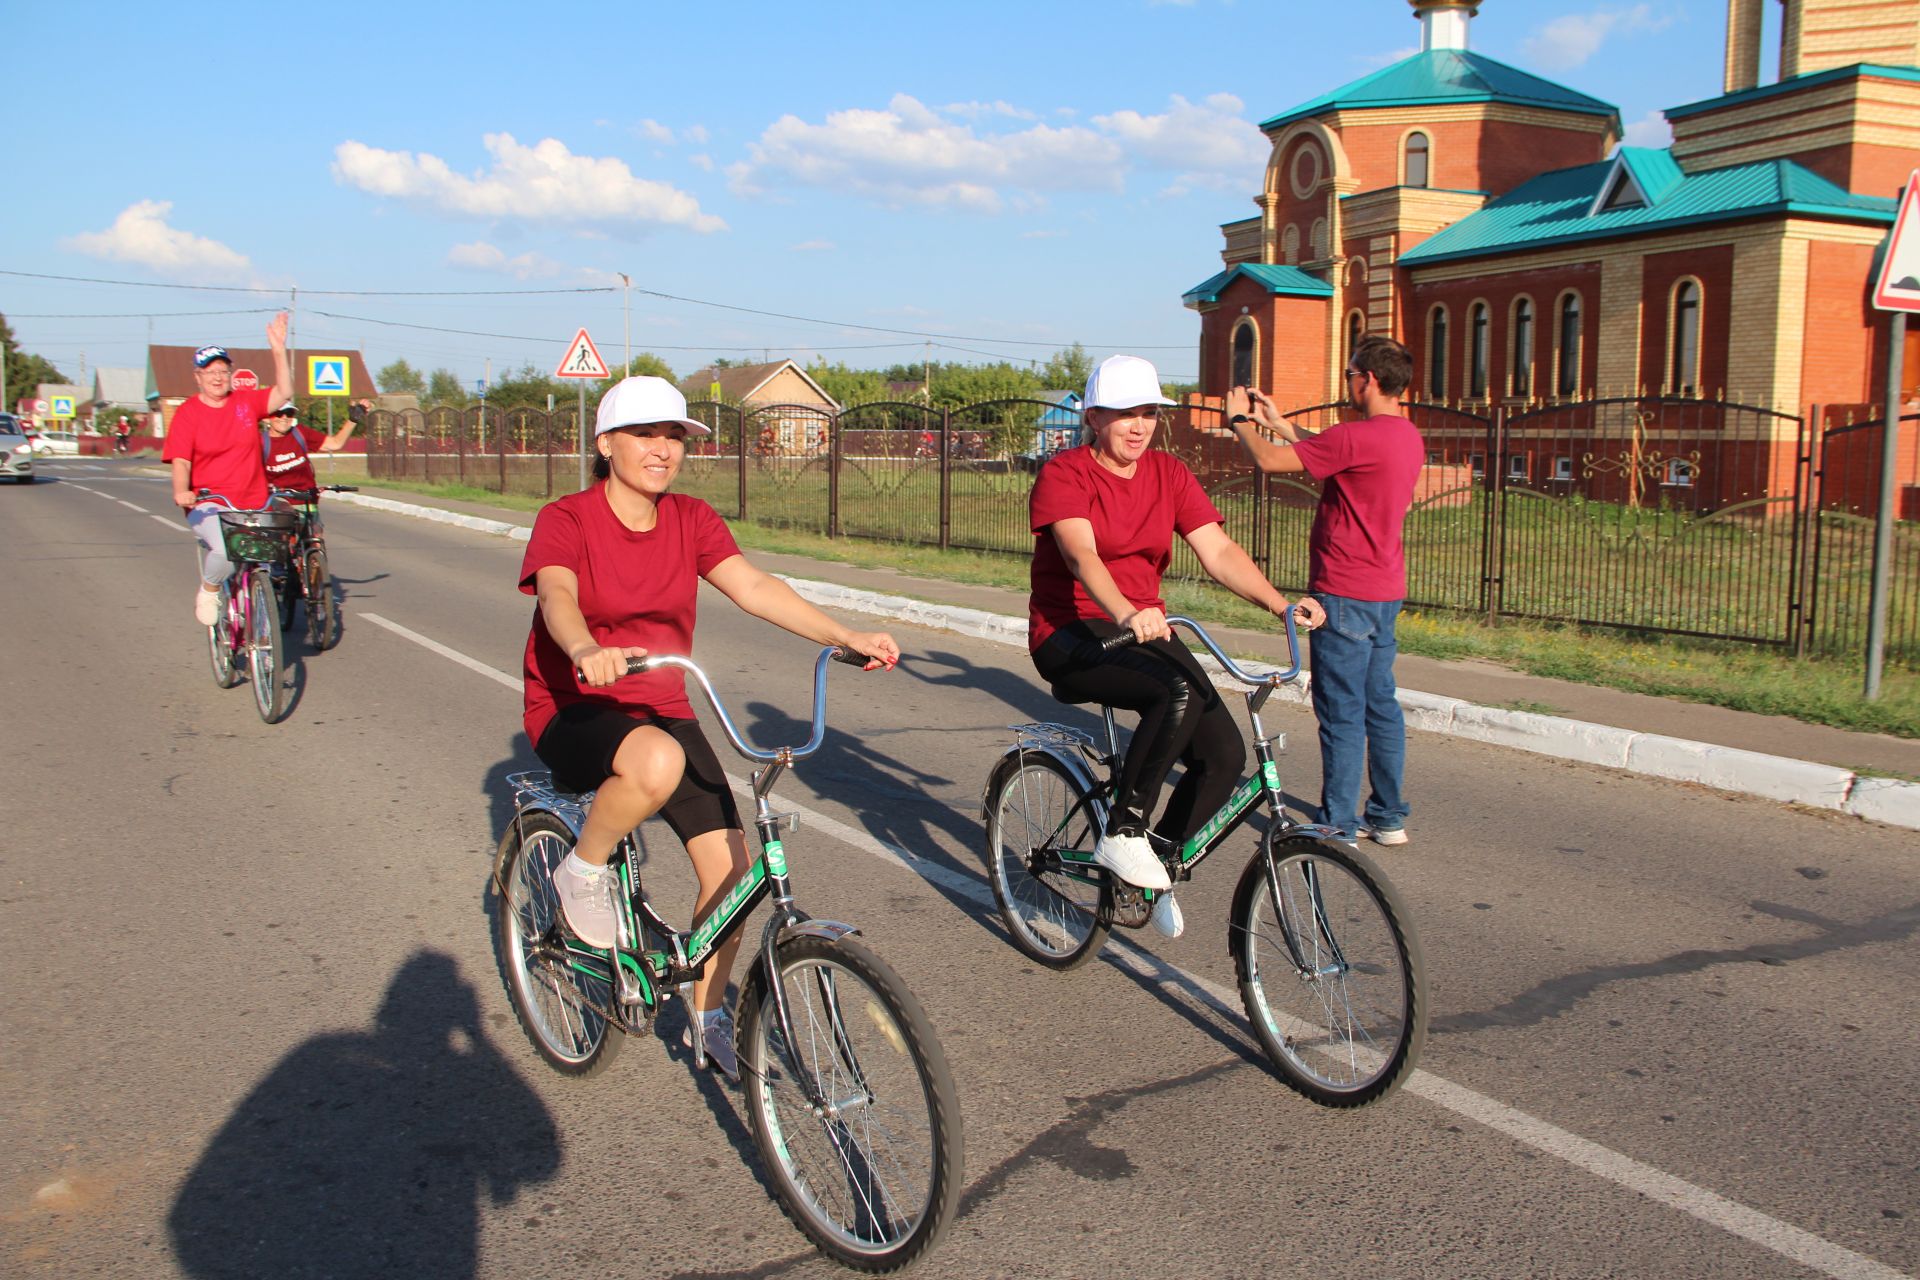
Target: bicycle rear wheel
(873, 1176)
(266, 657)
(1331, 975)
(220, 649)
(323, 611)
(1034, 809)
(286, 590)
(559, 1006)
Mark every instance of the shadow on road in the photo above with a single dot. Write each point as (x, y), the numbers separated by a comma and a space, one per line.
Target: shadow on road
(364, 1153)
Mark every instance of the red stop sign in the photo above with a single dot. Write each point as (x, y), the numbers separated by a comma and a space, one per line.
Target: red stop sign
(245, 380)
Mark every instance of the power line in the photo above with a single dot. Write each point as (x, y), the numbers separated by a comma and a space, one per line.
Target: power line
(138, 315)
(315, 293)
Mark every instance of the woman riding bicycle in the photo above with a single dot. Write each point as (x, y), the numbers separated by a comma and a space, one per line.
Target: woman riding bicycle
(288, 447)
(1103, 518)
(616, 569)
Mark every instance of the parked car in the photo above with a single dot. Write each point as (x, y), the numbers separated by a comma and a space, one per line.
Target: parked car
(49, 443)
(16, 454)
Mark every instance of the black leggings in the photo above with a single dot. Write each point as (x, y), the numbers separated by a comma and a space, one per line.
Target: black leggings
(1181, 718)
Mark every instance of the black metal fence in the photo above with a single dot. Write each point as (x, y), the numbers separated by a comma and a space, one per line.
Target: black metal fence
(1652, 514)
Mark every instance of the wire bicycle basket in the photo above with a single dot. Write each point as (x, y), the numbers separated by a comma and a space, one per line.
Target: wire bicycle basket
(263, 537)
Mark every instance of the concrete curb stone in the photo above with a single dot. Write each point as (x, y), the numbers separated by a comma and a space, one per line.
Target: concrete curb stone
(1821, 786)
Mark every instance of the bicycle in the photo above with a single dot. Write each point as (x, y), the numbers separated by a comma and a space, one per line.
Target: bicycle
(247, 631)
(309, 577)
(1328, 964)
(848, 1094)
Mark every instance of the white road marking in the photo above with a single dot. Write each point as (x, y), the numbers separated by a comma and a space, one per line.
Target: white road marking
(132, 506)
(172, 524)
(1624, 1171)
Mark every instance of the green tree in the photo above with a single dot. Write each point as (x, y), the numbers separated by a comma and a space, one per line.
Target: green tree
(1068, 369)
(25, 371)
(528, 388)
(849, 386)
(401, 378)
(443, 388)
(644, 365)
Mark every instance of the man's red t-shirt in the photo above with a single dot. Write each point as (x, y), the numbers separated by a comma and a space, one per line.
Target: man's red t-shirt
(288, 466)
(1367, 472)
(1134, 520)
(635, 589)
(223, 446)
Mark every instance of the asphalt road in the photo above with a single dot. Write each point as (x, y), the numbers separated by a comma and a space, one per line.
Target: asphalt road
(253, 1024)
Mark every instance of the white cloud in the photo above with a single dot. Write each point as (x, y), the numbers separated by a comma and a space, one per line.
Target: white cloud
(493, 260)
(1569, 41)
(545, 184)
(702, 162)
(813, 246)
(141, 235)
(696, 134)
(910, 154)
(1650, 130)
(653, 131)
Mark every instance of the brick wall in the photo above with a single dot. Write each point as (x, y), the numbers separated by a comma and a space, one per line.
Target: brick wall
(1712, 266)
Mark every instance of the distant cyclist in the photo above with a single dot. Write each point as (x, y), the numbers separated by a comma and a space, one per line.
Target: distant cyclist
(213, 443)
(617, 569)
(288, 445)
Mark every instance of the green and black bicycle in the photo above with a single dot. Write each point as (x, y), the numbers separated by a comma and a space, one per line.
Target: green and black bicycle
(1328, 964)
(847, 1090)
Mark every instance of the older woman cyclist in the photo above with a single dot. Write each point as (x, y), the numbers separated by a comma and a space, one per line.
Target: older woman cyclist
(1103, 518)
(616, 569)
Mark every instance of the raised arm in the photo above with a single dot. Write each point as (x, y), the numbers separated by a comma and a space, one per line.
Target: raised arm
(282, 363)
(768, 598)
(338, 440)
(1246, 409)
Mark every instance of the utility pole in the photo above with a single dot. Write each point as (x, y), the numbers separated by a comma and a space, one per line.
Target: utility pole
(626, 319)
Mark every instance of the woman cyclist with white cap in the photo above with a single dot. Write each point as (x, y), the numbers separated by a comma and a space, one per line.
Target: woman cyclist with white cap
(616, 569)
(1103, 518)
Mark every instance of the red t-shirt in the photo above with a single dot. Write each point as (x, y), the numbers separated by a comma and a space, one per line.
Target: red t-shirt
(635, 589)
(222, 446)
(1367, 471)
(287, 461)
(1134, 520)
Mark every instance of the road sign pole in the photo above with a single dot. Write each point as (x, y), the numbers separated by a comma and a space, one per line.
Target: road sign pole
(1883, 521)
(581, 428)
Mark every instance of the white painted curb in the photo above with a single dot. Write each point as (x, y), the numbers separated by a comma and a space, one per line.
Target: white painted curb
(1818, 786)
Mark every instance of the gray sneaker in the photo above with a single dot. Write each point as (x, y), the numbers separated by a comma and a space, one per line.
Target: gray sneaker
(586, 901)
(715, 1047)
(1387, 835)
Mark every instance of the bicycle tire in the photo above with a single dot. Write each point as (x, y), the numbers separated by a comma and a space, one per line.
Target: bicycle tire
(266, 652)
(323, 611)
(1344, 1016)
(875, 1181)
(1053, 919)
(558, 1007)
(220, 653)
(286, 593)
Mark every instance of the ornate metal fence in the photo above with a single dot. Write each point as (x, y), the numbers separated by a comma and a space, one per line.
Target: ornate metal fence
(1650, 514)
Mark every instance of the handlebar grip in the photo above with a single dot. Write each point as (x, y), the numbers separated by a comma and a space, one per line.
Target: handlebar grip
(343, 488)
(1113, 644)
(843, 654)
(636, 665)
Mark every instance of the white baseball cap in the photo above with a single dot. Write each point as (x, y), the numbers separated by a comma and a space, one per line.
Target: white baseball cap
(1122, 382)
(641, 401)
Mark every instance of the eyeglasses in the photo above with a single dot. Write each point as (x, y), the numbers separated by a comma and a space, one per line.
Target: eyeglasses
(1356, 373)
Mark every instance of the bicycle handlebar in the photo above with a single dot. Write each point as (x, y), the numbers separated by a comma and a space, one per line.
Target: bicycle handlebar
(1114, 643)
(313, 495)
(833, 653)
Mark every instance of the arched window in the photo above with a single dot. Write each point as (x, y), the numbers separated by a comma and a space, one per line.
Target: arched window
(1684, 371)
(1521, 376)
(1244, 339)
(1290, 245)
(1478, 326)
(1567, 358)
(1319, 239)
(1417, 151)
(1356, 330)
(1437, 354)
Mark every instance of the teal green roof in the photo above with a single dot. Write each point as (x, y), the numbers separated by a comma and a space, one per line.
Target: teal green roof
(1447, 75)
(1794, 85)
(1276, 278)
(1654, 170)
(1554, 207)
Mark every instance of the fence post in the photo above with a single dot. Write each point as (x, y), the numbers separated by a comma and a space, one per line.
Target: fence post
(740, 431)
(946, 478)
(1262, 524)
(1491, 567)
(1805, 513)
(546, 448)
(501, 437)
(833, 475)
(460, 440)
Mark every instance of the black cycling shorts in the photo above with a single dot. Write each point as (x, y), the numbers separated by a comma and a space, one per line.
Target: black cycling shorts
(580, 742)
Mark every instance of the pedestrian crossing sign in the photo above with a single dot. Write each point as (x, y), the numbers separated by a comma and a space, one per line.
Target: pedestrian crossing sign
(582, 359)
(62, 407)
(328, 376)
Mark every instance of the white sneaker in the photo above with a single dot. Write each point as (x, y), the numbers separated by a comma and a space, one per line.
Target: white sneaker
(206, 606)
(716, 1047)
(1131, 858)
(586, 900)
(1392, 835)
(1166, 918)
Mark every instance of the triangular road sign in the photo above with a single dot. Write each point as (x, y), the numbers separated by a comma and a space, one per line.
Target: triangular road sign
(1898, 288)
(582, 359)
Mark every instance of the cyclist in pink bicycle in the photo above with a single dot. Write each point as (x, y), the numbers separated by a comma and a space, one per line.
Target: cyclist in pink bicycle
(213, 443)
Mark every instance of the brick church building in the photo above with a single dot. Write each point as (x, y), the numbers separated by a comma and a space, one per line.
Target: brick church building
(1486, 217)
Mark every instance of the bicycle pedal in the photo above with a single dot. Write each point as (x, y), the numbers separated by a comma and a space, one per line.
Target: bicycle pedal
(1130, 908)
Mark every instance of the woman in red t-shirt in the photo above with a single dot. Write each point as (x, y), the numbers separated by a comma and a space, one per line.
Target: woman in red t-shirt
(616, 569)
(1103, 518)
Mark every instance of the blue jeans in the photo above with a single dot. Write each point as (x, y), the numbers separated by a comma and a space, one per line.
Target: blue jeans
(1359, 719)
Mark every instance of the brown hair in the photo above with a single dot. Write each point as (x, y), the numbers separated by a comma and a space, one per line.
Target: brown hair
(602, 465)
(1390, 363)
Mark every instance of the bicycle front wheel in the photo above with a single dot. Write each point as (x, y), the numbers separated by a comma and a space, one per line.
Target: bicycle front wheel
(1330, 973)
(1035, 809)
(323, 612)
(559, 1005)
(856, 1119)
(266, 658)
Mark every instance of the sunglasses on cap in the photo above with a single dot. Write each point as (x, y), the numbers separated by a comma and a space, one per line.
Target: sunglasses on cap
(207, 355)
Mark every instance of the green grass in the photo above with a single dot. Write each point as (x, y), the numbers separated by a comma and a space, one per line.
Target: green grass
(1742, 677)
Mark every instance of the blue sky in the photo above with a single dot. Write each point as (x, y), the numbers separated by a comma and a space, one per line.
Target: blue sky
(1016, 177)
